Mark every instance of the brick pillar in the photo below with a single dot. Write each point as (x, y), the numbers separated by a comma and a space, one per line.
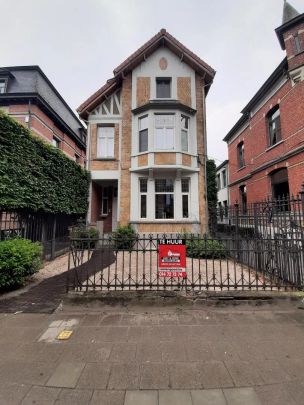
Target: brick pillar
(126, 137)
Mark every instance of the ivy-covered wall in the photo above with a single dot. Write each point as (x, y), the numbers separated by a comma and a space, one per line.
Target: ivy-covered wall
(35, 175)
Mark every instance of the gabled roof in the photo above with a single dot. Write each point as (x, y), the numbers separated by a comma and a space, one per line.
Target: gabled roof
(162, 38)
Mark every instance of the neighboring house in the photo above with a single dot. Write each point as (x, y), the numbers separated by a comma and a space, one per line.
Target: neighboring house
(266, 145)
(147, 141)
(222, 187)
(27, 95)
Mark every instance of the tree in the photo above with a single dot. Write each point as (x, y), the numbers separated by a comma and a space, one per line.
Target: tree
(211, 192)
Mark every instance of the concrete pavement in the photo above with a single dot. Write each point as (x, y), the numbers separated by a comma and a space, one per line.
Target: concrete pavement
(123, 355)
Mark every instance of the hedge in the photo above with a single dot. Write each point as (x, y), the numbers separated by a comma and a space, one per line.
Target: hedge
(19, 258)
(36, 175)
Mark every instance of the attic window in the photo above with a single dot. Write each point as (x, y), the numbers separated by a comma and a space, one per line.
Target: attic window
(163, 87)
(2, 86)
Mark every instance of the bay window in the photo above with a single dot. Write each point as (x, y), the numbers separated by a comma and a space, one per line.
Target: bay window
(143, 189)
(185, 198)
(143, 134)
(105, 142)
(164, 199)
(184, 133)
(164, 132)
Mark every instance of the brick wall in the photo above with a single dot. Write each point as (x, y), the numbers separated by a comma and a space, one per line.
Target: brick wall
(294, 59)
(257, 151)
(184, 90)
(142, 90)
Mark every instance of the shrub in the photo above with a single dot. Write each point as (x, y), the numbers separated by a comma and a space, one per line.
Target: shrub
(124, 237)
(86, 238)
(205, 248)
(19, 258)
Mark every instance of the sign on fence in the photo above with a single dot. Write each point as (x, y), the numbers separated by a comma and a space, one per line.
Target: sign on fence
(172, 258)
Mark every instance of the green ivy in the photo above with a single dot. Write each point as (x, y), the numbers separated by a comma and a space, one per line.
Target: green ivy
(37, 176)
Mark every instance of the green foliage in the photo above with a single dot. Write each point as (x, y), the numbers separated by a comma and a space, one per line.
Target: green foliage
(88, 237)
(19, 258)
(205, 248)
(124, 237)
(37, 176)
(211, 183)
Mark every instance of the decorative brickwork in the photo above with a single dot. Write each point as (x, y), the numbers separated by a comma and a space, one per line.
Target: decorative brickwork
(186, 160)
(184, 90)
(165, 158)
(142, 90)
(142, 160)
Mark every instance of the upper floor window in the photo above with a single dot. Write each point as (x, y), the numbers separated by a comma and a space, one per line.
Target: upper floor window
(218, 182)
(274, 126)
(184, 133)
(163, 87)
(164, 131)
(77, 158)
(224, 178)
(297, 44)
(56, 142)
(105, 142)
(2, 86)
(240, 150)
(143, 134)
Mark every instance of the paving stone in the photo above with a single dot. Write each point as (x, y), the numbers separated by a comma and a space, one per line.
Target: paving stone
(123, 352)
(148, 351)
(91, 320)
(12, 393)
(117, 334)
(174, 397)
(111, 319)
(135, 334)
(36, 373)
(149, 320)
(223, 350)
(157, 333)
(94, 375)
(198, 351)
(41, 395)
(90, 334)
(208, 397)
(124, 376)
(154, 376)
(213, 374)
(184, 375)
(242, 396)
(294, 367)
(42, 352)
(272, 372)
(108, 398)
(74, 397)
(66, 375)
(243, 373)
(129, 320)
(295, 389)
(275, 394)
(141, 398)
(168, 319)
(173, 351)
(87, 352)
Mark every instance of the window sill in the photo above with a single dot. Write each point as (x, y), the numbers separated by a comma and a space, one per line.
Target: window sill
(241, 168)
(273, 146)
(105, 159)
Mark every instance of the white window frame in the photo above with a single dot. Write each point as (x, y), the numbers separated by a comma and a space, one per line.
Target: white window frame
(4, 87)
(143, 193)
(186, 130)
(165, 193)
(56, 142)
(164, 127)
(186, 193)
(163, 78)
(107, 137)
(141, 130)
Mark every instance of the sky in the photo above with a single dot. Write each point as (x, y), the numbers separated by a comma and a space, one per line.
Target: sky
(78, 43)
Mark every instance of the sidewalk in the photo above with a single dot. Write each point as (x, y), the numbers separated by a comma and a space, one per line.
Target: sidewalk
(235, 355)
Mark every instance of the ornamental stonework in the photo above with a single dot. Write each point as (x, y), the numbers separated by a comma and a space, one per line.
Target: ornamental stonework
(163, 63)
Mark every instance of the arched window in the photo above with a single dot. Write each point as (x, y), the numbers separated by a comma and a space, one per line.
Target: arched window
(240, 152)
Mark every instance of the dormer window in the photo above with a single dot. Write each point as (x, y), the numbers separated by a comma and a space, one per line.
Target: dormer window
(163, 87)
(2, 86)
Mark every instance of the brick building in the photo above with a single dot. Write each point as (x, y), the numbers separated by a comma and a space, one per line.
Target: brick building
(27, 95)
(147, 141)
(266, 145)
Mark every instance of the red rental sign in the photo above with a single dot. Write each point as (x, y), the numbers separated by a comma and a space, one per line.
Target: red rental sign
(172, 258)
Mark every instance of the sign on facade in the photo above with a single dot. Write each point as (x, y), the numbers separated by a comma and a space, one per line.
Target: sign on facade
(172, 258)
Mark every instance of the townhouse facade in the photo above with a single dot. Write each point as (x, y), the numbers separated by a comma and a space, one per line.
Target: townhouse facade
(266, 145)
(27, 95)
(222, 185)
(147, 141)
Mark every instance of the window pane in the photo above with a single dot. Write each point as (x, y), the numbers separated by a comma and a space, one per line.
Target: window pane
(184, 141)
(159, 138)
(185, 206)
(105, 204)
(185, 185)
(163, 88)
(143, 185)
(184, 122)
(143, 206)
(143, 140)
(2, 86)
(143, 122)
(164, 206)
(110, 152)
(169, 138)
(162, 120)
(164, 186)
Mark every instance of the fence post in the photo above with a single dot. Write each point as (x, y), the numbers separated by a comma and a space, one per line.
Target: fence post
(53, 243)
(237, 225)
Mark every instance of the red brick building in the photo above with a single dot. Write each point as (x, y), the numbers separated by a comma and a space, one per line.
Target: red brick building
(27, 95)
(266, 145)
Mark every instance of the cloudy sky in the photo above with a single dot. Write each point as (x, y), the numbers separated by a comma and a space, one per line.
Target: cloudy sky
(78, 43)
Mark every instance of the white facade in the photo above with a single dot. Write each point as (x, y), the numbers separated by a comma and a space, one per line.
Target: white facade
(222, 185)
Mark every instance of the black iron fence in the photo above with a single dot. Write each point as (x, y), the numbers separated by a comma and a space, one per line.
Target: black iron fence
(228, 263)
(52, 230)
